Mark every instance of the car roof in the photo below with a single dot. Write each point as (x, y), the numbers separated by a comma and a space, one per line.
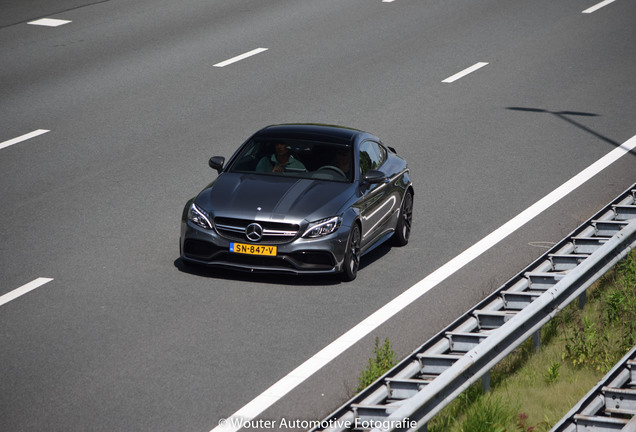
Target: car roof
(312, 132)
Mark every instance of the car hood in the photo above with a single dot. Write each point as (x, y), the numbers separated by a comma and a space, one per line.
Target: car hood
(265, 197)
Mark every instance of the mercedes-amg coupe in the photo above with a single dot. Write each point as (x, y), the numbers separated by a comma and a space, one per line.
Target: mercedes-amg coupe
(300, 199)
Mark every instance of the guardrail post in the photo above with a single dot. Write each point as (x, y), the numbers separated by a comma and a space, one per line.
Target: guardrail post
(582, 299)
(485, 382)
(536, 340)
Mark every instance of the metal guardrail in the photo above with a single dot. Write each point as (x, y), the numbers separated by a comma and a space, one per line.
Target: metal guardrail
(410, 394)
(608, 407)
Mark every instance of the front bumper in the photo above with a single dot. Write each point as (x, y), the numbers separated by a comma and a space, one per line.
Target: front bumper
(300, 256)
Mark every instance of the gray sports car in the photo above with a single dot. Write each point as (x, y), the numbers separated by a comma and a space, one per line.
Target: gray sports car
(301, 199)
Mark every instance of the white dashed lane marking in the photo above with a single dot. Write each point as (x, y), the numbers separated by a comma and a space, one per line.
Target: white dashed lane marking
(465, 72)
(23, 138)
(12, 295)
(240, 57)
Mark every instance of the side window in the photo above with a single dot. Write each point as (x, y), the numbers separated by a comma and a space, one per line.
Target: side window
(372, 155)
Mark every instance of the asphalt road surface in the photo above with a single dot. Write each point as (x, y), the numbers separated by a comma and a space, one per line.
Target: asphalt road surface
(131, 98)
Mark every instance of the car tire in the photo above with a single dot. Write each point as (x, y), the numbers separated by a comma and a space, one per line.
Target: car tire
(405, 219)
(352, 255)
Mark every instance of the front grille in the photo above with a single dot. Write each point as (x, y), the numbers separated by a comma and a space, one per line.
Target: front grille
(256, 261)
(273, 232)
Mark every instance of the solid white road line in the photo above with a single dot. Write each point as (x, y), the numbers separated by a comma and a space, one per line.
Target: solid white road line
(49, 22)
(23, 290)
(333, 350)
(23, 138)
(598, 6)
(465, 72)
(240, 57)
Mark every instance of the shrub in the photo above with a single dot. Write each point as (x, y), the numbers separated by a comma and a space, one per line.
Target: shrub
(601, 343)
(552, 373)
(383, 361)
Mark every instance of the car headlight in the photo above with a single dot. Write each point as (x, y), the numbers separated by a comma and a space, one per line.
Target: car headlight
(199, 217)
(322, 227)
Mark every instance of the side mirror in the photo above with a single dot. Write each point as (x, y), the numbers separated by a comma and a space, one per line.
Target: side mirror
(374, 177)
(216, 162)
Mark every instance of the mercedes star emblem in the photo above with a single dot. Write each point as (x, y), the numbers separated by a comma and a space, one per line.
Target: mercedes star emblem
(254, 232)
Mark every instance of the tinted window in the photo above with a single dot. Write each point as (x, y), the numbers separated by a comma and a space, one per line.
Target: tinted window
(372, 155)
(295, 158)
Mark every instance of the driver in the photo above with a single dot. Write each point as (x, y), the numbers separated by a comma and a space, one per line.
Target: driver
(343, 161)
(279, 161)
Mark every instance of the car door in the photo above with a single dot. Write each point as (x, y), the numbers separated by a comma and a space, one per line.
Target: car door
(376, 204)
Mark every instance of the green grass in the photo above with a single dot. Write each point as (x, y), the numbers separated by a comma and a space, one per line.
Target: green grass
(532, 391)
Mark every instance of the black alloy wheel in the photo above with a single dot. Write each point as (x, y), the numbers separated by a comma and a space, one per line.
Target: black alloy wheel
(352, 255)
(403, 228)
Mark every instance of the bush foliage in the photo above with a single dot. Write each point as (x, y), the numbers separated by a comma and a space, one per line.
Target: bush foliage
(380, 364)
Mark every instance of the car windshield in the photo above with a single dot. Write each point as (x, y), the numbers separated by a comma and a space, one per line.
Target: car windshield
(295, 158)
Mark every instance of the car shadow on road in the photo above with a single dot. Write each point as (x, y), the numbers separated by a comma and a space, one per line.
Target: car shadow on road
(279, 278)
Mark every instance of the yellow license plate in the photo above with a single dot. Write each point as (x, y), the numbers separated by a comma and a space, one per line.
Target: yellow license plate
(252, 249)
